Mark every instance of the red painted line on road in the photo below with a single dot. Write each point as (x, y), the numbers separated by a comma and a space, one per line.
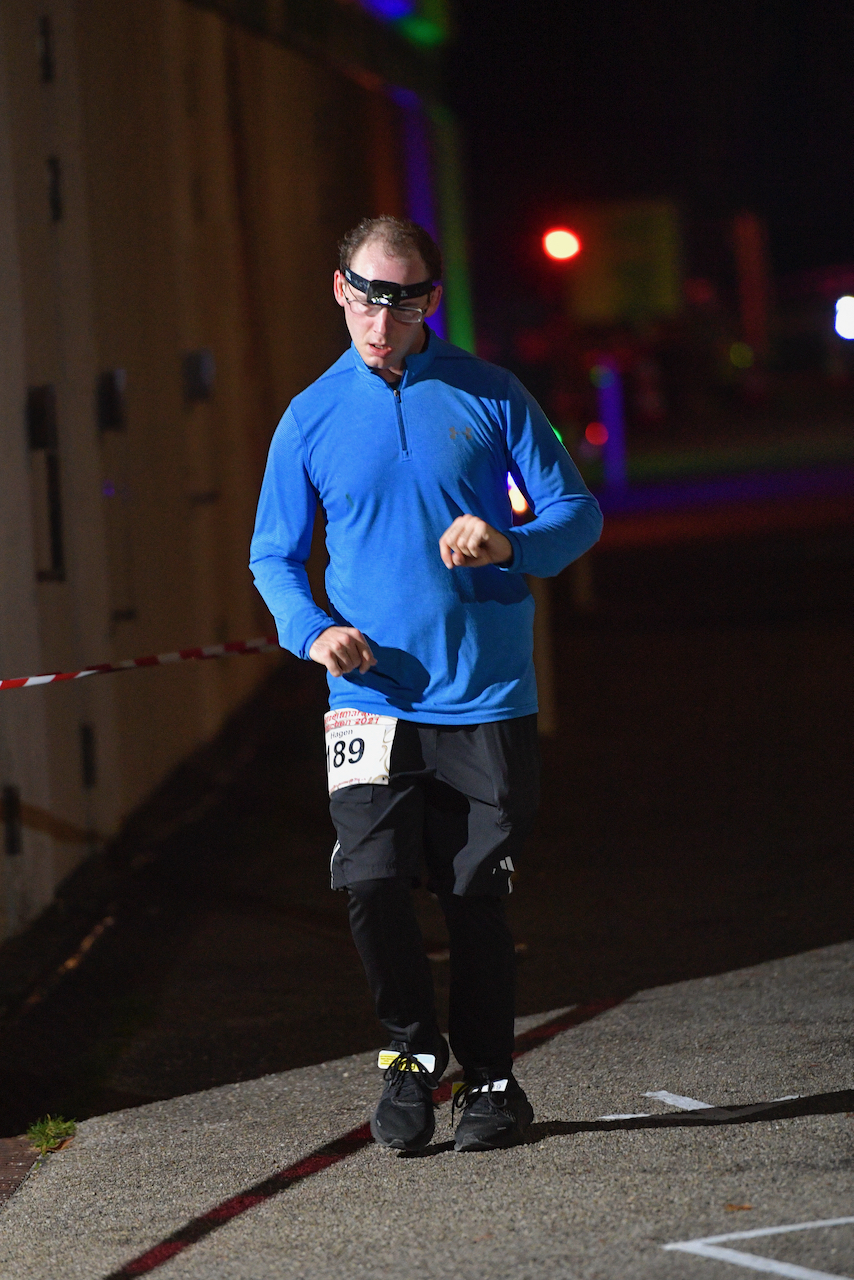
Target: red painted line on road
(197, 1228)
(331, 1153)
(532, 1039)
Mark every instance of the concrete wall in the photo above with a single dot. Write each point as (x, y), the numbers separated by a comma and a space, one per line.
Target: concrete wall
(170, 183)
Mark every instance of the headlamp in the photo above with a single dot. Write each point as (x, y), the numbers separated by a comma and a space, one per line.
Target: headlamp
(385, 293)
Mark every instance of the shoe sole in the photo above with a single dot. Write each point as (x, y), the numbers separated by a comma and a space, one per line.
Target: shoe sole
(398, 1144)
(512, 1139)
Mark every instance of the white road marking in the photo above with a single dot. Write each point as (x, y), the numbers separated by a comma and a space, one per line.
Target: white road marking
(753, 1232)
(676, 1100)
(688, 1104)
(755, 1263)
(709, 1247)
(629, 1115)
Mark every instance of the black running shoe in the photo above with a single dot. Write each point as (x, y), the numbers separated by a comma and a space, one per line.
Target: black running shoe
(495, 1113)
(404, 1118)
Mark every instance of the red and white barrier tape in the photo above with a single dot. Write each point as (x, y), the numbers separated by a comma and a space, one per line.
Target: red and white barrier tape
(263, 645)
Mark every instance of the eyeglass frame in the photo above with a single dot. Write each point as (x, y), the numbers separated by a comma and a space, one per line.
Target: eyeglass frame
(373, 308)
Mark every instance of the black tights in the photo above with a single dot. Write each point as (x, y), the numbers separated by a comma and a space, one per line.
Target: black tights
(388, 939)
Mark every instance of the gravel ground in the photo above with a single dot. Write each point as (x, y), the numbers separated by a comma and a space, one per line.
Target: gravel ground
(579, 1199)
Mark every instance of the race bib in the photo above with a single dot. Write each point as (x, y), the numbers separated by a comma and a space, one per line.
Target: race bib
(358, 748)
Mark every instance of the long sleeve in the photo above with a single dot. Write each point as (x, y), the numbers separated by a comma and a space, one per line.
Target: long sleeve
(567, 520)
(282, 541)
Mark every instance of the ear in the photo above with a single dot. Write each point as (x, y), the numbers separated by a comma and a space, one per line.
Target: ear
(435, 299)
(338, 288)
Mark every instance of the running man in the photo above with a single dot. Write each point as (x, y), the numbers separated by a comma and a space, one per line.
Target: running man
(432, 755)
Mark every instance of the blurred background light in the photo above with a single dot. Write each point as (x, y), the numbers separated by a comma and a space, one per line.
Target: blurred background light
(561, 244)
(741, 355)
(844, 323)
(602, 376)
(422, 31)
(424, 23)
(517, 497)
(596, 433)
(389, 9)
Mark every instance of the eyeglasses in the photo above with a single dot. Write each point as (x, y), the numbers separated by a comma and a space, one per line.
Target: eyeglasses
(406, 315)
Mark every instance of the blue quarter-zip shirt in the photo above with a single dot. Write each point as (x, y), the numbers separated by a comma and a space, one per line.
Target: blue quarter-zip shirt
(393, 469)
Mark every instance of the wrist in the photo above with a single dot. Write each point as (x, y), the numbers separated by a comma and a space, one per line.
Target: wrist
(505, 550)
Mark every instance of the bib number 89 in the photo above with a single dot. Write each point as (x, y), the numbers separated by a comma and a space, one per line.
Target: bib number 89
(346, 753)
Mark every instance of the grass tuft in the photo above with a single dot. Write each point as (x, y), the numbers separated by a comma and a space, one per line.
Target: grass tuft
(50, 1132)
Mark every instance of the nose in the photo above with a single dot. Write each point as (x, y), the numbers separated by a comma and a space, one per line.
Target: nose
(381, 322)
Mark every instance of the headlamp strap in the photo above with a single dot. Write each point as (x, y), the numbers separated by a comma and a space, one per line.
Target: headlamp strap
(386, 293)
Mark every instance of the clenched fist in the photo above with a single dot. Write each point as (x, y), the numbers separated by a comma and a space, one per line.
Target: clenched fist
(341, 650)
(472, 542)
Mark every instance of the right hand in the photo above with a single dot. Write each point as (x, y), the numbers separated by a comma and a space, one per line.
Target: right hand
(341, 650)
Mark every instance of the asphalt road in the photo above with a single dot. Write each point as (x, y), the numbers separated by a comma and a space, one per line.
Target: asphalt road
(597, 1192)
(696, 820)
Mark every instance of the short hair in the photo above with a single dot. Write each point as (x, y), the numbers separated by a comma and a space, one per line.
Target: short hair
(400, 237)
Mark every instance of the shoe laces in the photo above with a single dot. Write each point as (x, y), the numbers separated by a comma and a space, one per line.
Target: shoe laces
(469, 1092)
(404, 1070)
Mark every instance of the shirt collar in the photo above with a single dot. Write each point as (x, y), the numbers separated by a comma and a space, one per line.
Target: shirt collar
(415, 365)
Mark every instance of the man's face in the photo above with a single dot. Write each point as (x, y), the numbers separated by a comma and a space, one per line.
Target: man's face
(381, 341)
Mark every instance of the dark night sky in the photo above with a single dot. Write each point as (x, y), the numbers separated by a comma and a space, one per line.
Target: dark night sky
(723, 105)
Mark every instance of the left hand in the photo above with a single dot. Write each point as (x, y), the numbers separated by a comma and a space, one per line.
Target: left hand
(472, 543)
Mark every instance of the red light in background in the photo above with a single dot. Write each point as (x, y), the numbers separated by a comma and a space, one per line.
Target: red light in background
(561, 244)
(596, 433)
